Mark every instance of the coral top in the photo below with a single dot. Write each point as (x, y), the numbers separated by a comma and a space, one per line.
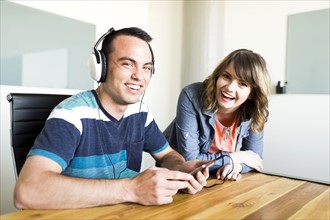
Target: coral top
(225, 137)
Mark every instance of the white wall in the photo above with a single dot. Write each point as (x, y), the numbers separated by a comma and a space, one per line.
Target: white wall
(257, 25)
(262, 27)
(203, 42)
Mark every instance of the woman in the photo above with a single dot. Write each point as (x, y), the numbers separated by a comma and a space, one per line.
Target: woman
(225, 116)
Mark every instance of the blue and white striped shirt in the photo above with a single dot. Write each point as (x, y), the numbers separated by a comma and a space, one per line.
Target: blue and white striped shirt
(88, 142)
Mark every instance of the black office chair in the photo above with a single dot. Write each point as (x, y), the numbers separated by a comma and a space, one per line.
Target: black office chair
(28, 114)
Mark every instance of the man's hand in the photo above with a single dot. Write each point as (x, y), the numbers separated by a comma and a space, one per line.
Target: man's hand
(157, 186)
(201, 175)
(172, 160)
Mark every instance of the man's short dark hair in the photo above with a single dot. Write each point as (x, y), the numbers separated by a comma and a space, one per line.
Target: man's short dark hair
(107, 46)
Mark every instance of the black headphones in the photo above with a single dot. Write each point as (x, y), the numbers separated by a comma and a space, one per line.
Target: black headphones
(97, 61)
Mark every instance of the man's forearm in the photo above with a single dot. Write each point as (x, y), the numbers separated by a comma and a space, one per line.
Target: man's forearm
(60, 192)
(173, 161)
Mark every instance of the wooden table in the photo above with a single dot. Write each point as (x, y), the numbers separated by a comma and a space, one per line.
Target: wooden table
(255, 196)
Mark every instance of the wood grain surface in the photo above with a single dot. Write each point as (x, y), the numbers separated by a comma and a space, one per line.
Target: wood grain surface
(255, 196)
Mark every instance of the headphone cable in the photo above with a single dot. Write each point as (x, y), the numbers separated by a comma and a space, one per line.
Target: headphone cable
(232, 169)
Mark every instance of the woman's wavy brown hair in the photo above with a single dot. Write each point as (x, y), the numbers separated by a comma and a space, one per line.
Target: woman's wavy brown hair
(251, 68)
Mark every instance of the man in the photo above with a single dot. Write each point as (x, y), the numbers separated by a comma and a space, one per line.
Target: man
(89, 152)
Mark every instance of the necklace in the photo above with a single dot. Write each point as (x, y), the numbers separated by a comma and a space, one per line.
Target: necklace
(227, 131)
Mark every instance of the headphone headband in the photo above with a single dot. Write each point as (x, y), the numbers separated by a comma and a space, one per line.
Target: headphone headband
(99, 41)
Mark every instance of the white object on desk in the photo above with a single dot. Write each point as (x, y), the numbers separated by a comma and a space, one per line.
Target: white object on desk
(297, 137)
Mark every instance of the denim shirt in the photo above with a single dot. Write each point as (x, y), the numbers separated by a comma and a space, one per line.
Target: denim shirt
(192, 132)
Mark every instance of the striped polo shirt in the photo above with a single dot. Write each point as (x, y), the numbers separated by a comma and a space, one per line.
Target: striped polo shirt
(88, 142)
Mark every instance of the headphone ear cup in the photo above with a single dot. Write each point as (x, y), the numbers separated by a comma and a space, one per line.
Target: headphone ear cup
(104, 66)
(94, 68)
(97, 69)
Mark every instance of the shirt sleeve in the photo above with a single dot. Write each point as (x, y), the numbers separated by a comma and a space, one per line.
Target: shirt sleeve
(155, 141)
(187, 131)
(253, 142)
(58, 139)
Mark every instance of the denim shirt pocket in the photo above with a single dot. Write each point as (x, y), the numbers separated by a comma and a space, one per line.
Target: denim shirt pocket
(134, 155)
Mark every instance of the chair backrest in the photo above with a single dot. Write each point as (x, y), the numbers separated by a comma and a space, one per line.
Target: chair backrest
(28, 114)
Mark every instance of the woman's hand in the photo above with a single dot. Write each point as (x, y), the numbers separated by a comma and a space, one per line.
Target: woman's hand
(224, 172)
(249, 158)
